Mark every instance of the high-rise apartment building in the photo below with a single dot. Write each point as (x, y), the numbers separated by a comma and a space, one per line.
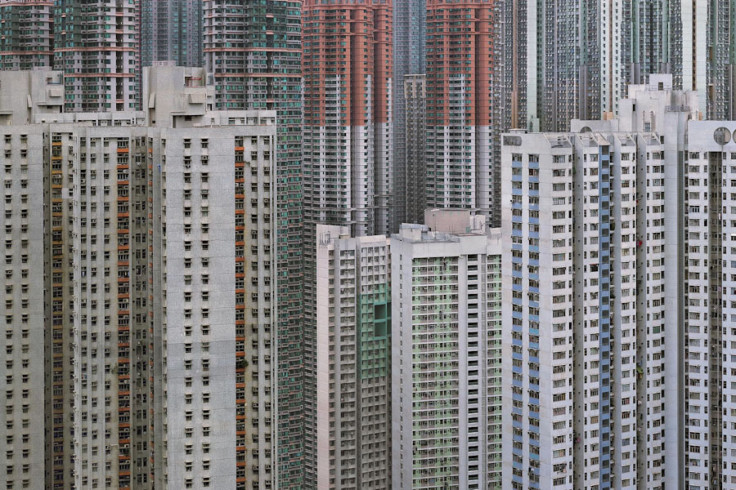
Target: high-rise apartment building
(708, 333)
(446, 353)
(254, 52)
(347, 151)
(655, 109)
(571, 60)
(460, 64)
(409, 44)
(109, 330)
(540, 360)
(219, 312)
(353, 313)
(595, 220)
(26, 34)
(82, 409)
(347, 115)
(171, 31)
(100, 46)
(22, 385)
(157, 351)
(415, 129)
(97, 46)
(701, 45)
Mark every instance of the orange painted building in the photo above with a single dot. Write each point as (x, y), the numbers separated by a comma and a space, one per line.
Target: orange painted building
(347, 156)
(347, 65)
(460, 74)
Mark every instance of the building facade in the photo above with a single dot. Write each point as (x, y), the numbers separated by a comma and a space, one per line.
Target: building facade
(570, 60)
(347, 157)
(171, 31)
(124, 336)
(24, 335)
(517, 79)
(353, 313)
(410, 58)
(560, 274)
(26, 35)
(446, 354)
(702, 53)
(595, 220)
(43, 96)
(708, 313)
(460, 64)
(261, 69)
(217, 209)
(256, 68)
(415, 169)
(347, 151)
(97, 46)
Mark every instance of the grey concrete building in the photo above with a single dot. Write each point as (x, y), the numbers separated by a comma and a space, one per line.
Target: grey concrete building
(409, 45)
(216, 265)
(353, 359)
(26, 34)
(154, 343)
(23, 336)
(415, 170)
(29, 95)
(171, 31)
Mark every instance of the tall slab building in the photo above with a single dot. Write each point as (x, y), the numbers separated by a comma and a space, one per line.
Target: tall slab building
(150, 359)
(214, 196)
(171, 31)
(446, 395)
(253, 50)
(708, 334)
(23, 320)
(347, 150)
(570, 59)
(353, 421)
(596, 251)
(460, 64)
(409, 43)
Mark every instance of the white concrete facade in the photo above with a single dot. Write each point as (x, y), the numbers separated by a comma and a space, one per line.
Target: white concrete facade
(710, 285)
(353, 359)
(600, 210)
(446, 364)
(157, 348)
(24, 95)
(22, 339)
